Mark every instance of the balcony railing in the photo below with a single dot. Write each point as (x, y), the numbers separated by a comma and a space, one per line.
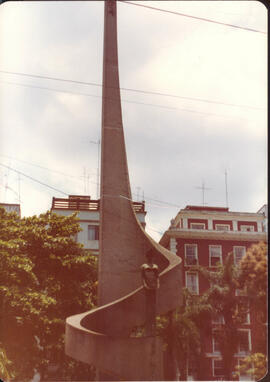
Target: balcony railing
(214, 230)
(84, 203)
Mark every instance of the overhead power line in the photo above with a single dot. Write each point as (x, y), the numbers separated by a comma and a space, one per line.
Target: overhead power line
(123, 100)
(35, 180)
(193, 17)
(55, 189)
(122, 88)
(39, 166)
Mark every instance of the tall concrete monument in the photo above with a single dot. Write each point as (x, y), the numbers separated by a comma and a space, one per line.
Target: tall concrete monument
(105, 336)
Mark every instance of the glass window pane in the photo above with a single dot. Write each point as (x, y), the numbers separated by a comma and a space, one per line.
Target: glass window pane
(191, 254)
(192, 282)
(93, 231)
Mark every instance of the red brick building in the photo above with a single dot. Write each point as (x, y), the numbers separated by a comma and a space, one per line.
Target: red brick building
(205, 236)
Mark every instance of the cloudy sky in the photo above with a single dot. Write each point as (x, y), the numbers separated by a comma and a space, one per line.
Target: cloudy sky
(217, 122)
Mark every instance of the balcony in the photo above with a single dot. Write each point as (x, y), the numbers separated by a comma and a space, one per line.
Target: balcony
(215, 234)
(85, 203)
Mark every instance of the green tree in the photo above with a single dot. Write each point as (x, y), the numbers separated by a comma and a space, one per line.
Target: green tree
(45, 277)
(228, 301)
(183, 332)
(254, 365)
(6, 371)
(253, 277)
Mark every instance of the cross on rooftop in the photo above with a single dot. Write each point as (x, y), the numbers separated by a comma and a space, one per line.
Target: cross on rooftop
(203, 188)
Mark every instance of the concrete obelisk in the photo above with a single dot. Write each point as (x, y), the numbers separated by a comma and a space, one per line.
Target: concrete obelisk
(104, 336)
(121, 253)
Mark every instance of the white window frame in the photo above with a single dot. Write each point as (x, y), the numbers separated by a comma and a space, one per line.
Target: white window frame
(247, 228)
(218, 319)
(197, 282)
(210, 257)
(190, 376)
(241, 292)
(247, 322)
(196, 253)
(244, 377)
(222, 225)
(194, 224)
(236, 262)
(213, 367)
(214, 342)
(248, 331)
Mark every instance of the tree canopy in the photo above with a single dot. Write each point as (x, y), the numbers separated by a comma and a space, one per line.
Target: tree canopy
(230, 303)
(45, 276)
(253, 276)
(254, 365)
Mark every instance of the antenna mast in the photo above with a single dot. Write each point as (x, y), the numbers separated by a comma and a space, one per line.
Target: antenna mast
(203, 188)
(98, 145)
(226, 187)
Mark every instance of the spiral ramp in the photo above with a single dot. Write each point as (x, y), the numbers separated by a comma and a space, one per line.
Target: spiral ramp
(104, 337)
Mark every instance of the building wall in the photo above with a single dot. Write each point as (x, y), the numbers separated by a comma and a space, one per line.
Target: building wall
(9, 207)
(181, 233)
(87, 211)
(203, 253)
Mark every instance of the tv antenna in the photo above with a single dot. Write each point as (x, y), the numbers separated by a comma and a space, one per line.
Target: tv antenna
(203, 188)
(226, 187)
(98, 147)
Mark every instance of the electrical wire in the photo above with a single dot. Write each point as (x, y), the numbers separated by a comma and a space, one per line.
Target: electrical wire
(192, 17)
(35, 180)
(42, 167)
(126, 89)
(122, 100)
(55, 189)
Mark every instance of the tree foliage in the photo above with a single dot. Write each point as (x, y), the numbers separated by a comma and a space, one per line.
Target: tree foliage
(228, 300)
(182, 332)
(253, 276)
(45, 277)
(254, 365)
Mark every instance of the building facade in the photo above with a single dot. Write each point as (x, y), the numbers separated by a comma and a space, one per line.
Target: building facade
(11, 207)
(205, 236)
(87, 211)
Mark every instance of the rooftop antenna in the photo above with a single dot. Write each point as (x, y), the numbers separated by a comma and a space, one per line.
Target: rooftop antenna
(98, 155)
(203, 188)
(84, 180)
(226, 187)
(19, 187)
(138, 193)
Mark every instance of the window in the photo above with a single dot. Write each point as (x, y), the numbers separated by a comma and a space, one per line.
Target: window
(247, 228)
(238, 252)
(241, 292)
(243, 376)
(192, 282)
(218, 368)
(215, 255)
(222, 227)
(215, 340)
(192, 369)
(197, 225)
(191, 255)
(243, 310)
(217, 319)
(93, 232)
(244, 345)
